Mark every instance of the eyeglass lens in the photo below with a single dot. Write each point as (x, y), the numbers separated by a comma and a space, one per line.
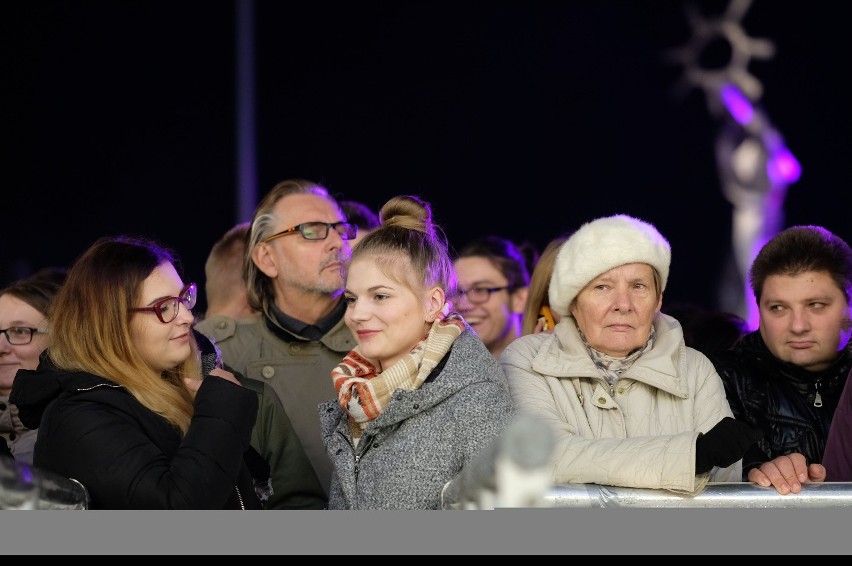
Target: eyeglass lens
(319, 230)
(19, 335)
(477, 295)
(167, 309)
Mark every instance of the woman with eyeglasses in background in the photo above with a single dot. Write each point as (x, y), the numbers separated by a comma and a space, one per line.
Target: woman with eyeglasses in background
(23, 323)
(493, 283)
(119, 400)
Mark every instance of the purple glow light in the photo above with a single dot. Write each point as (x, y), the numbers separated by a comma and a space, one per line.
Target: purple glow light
(737, 104)
(783, 167)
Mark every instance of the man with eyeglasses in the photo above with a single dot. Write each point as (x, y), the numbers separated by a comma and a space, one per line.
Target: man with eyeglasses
(298, 247)
(493, 284)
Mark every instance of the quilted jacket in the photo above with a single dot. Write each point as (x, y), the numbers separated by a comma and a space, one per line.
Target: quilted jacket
(641, 432)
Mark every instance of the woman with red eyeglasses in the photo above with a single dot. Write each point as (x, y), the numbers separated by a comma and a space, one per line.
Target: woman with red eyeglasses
(122, 403)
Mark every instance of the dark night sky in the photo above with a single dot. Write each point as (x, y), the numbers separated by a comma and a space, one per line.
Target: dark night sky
(521, 119)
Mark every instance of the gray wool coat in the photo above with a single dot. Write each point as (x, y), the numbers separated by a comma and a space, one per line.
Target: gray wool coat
(423, 438)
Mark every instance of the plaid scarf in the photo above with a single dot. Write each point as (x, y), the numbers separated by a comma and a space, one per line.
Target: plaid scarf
(364, 394)
(610, 367)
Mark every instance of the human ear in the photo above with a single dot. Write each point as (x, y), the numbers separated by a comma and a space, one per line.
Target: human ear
(435, 303)
(264, 260)
(519, 299)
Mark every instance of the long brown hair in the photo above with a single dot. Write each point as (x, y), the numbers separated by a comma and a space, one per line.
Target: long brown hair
(90, 325)
(540, 283)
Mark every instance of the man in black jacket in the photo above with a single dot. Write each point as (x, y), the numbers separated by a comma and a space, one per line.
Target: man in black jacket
(786, 377)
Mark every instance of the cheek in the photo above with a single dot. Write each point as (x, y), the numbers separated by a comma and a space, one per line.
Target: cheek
(649, 310)
(845, 328)
(138, 330)
(348, 321)
(29, 354)
(144, 336)
(770, 327)
(588, 312)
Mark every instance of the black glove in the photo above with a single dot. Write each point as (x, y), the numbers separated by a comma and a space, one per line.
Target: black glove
(723, 444)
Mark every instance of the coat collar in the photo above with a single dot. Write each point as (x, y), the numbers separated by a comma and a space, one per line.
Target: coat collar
(563, 355)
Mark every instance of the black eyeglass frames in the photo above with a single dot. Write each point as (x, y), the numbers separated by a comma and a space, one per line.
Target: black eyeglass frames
(318, 231)
(21, 335)
(477, 295)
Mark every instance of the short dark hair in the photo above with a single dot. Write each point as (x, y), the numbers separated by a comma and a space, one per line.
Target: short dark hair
(514, 261)
(39, 289)
(799, 249)
(360, 214)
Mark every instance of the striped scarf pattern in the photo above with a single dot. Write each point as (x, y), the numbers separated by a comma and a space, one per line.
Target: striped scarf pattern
(364, 394)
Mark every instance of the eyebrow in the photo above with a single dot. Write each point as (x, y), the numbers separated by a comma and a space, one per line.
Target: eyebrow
(486, 283)
(165, 297)
(372, 289)
(19, 322)
(818, 298)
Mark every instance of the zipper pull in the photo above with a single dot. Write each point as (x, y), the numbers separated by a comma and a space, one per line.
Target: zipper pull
(817, 397)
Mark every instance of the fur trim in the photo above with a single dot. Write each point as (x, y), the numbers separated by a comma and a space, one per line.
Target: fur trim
(600, 245)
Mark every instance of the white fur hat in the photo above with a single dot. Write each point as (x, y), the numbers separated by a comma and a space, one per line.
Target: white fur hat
(600, 245)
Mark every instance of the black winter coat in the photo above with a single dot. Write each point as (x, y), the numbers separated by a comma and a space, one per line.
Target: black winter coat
(792, 406)
(127, 456)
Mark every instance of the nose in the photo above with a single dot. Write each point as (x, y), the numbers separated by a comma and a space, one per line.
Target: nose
(184, 315)
(335, 240)
(358, 311)
(621, 301)
(800, 321)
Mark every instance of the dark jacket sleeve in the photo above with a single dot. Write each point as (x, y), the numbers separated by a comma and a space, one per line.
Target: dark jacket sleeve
(735, 390)
(837, 457)
(223, 420)
(130, 458)
(294, 482)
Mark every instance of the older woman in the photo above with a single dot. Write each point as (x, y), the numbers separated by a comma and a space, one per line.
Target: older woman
(627, 400)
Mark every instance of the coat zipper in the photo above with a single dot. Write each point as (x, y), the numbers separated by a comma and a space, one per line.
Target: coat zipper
(360, 454)
(240, 497)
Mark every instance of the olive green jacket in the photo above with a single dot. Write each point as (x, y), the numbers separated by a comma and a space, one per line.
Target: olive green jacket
(294, 483)
(299, 370)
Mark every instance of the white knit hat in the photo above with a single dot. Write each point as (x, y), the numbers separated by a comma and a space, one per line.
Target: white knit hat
(600, 245)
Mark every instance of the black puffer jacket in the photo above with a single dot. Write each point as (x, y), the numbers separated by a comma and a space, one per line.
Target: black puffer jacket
(129, 457)
(792, 406)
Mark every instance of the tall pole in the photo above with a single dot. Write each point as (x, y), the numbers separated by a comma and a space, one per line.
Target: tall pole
(246, 181)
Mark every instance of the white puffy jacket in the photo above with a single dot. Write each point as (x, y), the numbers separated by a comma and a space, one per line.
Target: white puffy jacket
(640, 432)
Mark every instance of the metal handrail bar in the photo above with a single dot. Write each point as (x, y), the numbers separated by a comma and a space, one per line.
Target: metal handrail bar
(714, 495)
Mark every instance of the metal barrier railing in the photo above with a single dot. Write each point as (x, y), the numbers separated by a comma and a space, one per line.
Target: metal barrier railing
(514, 472)
(715, 495)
